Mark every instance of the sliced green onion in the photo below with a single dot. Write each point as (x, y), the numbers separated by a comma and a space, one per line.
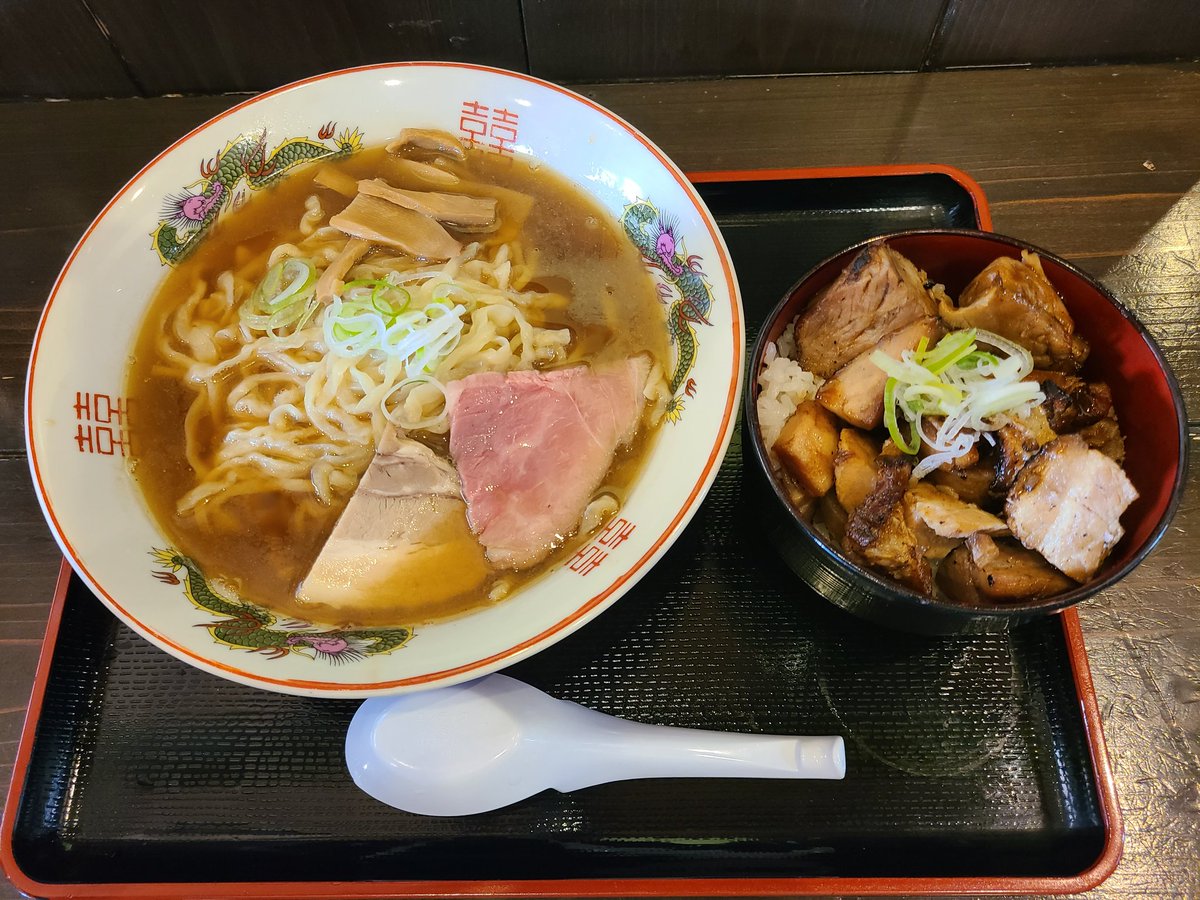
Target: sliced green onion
(967, 387)
(949, 350)
(285, 297)
(978, 358)
(893, 426)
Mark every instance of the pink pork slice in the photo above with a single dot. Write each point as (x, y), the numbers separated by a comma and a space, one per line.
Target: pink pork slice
(532, 447)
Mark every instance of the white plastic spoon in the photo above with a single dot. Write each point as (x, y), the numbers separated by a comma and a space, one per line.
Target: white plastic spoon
(479, 746)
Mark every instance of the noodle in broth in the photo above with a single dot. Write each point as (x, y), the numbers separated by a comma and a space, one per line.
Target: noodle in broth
(252, 438)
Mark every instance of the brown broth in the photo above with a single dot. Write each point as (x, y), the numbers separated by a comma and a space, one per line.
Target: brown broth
(580, 251)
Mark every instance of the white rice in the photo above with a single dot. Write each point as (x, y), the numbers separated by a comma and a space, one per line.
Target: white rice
(786, 345)
(783, 385)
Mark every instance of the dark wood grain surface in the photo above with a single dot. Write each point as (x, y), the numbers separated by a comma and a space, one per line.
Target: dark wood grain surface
(647, 39)
(178, 46)
(984, 32)
(56, 49)
(1101, 165)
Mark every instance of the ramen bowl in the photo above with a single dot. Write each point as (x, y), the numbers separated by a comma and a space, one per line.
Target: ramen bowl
(78, 418)
(1146, 399)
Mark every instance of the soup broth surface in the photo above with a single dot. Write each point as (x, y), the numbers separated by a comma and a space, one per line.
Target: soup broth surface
(264, 543)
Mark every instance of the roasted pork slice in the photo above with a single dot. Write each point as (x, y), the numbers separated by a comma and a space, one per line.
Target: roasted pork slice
(984, 570)
(879, 533)
(402, 539)
(878, 293)
(533, 447)
(854, 467)
(806, 446)
(1014, 299)
(381, 222)
(941, 521)
(855, 391)
(1067, 504)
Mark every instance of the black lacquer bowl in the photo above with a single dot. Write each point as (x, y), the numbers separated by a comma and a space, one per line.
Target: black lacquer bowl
(1146, 397)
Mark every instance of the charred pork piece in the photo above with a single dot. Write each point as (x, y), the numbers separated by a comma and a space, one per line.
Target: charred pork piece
(1067, 503)
(1094, 401)
(855, 391)
(1072, 403)
(1014, 299)
(1105, 436)
(941, 521)
(984, 570)
(971, 485)
(1059, 406)
(878, 293)
(806, 447)
(879, 533)
(1016, 443)
(854, 468)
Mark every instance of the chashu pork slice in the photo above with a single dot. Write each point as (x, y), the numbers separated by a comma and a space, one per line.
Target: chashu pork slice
(855, 391)
(1067, 504)
(984, 570)
(942, 521)
(1015, 299)
(403, 539)
(879, 532)
(532, 447)
(880, 292)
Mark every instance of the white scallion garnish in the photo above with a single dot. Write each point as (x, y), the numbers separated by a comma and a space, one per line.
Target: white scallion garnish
(968, 388)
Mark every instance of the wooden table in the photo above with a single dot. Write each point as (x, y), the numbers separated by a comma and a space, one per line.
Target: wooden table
(1099, 164)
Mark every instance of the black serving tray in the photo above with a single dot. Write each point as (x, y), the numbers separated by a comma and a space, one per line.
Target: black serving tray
(974, 763)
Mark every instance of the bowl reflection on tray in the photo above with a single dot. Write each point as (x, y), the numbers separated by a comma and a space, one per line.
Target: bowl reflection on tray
(1145, 396)
(319, 139)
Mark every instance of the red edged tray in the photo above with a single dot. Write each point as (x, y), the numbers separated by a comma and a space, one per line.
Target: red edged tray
(976, 764)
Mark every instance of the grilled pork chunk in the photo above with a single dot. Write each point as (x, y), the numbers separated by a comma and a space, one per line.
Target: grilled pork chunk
(806, 446)
(941, 521)
(1067, 503)
(1015, 299)
(877, 294)
(879, 532)
(1084, 408)
(854, 468)
(855, 391)
(1071, 402)
(984, 570)
(1105, 436)
(972, 484)
(1016, 442)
